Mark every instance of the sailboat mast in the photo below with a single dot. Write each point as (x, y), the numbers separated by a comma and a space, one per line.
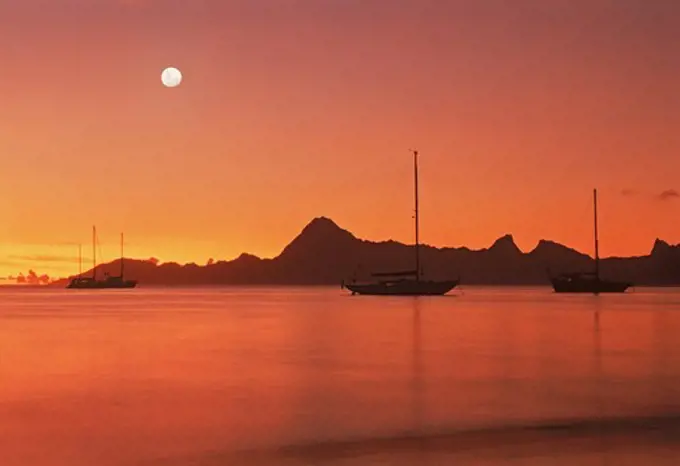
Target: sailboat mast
(415, 172)
(94, 252)
(121, 255)
(597, 246)
(80, 260)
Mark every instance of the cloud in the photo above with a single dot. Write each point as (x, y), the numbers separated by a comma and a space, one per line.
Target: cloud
(8, 263)
(45, 258)
(628, 192)
(668, 195)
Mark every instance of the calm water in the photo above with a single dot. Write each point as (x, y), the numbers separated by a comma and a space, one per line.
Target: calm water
(314, 376)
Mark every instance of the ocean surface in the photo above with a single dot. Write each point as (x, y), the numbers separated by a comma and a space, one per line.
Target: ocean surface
(292, 376)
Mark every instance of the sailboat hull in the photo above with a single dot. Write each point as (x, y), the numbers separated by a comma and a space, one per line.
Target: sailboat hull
(596, 286)
(111, 283)
(404, 288)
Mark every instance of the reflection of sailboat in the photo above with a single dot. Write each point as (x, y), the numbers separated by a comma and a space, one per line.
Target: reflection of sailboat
(600, 389)
(109, 281)
(588, 282)
(407, 282)
(418, 380)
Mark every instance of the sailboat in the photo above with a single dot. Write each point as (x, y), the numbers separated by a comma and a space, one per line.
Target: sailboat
(108, 281)
(404, 283)
(588, 282)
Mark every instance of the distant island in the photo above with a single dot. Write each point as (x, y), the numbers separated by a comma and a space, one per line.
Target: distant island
(324, 254)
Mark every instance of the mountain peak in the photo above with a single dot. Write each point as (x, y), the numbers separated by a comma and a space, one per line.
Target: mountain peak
(660, 247)
(320, 233)
(553, 252)
(549, 246)
(323, 228)
(505, 243)
(321, 223)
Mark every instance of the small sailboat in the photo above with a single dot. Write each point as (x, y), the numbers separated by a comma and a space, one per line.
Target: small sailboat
(404, 283)
(588, 282)
(108, 281)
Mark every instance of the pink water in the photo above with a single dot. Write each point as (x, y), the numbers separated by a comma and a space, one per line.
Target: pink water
(314, 376)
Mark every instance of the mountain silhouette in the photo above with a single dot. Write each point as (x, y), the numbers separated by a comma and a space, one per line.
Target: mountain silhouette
(324, 253)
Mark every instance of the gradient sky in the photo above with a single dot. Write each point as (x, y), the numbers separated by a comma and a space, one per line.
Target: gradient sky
(292, 109)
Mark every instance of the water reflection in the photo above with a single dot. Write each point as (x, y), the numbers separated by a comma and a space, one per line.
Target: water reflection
(190, 376)
(418, 379)
(599, 377)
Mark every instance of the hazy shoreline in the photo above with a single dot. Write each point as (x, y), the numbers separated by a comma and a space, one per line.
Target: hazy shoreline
(462, 286)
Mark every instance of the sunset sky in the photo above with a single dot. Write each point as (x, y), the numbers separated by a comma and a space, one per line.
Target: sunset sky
(292, 109)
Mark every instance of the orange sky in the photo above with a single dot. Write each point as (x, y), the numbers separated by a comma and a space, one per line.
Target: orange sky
(292, 109)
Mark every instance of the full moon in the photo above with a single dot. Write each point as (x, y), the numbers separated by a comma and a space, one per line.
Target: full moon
(171, 77)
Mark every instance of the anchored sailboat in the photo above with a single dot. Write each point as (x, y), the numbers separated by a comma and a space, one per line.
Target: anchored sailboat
(407, 282)
(588, 282)
(109, 281)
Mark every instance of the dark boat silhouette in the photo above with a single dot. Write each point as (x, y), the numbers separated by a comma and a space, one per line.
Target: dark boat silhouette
(109, 281)
(404, 283)
(588, 282)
